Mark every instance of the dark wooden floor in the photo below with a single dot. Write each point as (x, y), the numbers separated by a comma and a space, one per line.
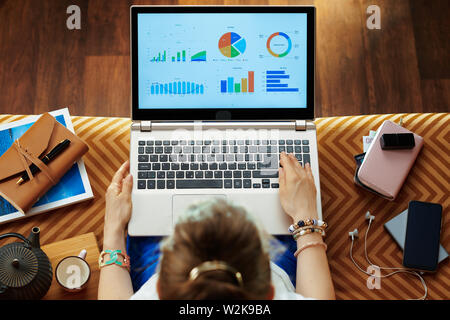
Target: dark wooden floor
(404, 67)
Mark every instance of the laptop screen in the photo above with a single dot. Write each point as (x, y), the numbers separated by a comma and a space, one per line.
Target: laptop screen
(221, 60)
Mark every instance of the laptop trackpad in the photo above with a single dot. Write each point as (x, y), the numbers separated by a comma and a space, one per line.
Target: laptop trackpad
(181, 202)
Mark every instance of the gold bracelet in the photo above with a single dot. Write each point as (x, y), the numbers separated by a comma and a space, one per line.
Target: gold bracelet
(298, 230)
(307, 231)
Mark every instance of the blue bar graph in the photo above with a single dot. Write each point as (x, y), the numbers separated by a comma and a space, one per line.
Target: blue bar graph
(277, 76)
(282, 89)
(177, 87)
(276, 85)
(230, 84)
(273, 81)
(223, 86)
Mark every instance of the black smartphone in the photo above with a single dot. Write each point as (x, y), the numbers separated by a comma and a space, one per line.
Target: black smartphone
(423, 230)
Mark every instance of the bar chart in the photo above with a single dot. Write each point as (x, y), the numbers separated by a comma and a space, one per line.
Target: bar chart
(159, 57)
(244, 85)
(274, 80)
(176, 87)
(180, 57)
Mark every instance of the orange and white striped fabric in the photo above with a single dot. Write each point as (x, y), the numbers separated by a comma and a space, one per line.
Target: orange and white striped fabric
(344, 204)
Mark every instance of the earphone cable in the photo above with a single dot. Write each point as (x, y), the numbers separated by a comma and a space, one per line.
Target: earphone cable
(399, 270)
(367, 256)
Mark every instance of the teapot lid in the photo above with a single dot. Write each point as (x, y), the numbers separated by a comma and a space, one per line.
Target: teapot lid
(18, 265)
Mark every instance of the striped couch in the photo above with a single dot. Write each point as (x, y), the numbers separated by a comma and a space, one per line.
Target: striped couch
(344, 204)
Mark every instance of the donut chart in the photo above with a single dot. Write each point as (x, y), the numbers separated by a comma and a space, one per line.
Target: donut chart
(232, 45)
(289, 44)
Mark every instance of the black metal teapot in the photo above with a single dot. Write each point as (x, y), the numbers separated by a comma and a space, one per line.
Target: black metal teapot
(25, 270)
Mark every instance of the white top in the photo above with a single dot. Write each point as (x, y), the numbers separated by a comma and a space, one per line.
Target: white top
(284, 290)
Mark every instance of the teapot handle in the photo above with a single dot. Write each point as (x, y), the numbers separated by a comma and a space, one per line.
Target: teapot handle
(17, 235)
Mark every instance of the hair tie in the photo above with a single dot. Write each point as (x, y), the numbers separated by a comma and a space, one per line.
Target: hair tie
(213, 266)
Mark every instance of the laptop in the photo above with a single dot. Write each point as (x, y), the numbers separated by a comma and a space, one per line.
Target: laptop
(217, 93)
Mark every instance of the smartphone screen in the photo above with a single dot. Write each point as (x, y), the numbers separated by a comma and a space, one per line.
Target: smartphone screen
(423, 231)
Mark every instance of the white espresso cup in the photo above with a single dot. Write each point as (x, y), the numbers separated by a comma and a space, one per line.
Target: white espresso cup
(73, 273)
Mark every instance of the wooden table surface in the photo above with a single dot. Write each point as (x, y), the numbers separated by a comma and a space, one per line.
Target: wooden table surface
(56, 251)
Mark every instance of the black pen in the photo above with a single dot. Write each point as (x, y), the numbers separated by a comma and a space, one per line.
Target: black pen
(60, 147)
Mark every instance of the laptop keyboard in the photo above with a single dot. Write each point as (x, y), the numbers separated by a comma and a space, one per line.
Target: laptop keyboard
(215, 164)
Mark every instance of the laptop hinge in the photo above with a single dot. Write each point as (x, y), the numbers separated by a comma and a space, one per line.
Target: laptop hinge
(146, 126)
(300, 125)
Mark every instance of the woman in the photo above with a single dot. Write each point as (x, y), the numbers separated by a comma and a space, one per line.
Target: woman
(217, 251)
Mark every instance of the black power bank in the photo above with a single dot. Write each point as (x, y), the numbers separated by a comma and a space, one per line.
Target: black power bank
(423, 230)
(391, 141)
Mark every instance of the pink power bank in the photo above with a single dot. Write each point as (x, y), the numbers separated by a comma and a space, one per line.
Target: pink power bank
(385, 171)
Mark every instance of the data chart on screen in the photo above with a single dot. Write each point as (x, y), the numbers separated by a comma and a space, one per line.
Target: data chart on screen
(222, 60)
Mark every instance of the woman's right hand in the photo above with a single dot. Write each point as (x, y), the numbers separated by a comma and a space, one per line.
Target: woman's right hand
(297, 189)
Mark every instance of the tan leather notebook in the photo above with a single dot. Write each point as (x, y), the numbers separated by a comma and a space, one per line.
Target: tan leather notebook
(384, 171)
(36, 142)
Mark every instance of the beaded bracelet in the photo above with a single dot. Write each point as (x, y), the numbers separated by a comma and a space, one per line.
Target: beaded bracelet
(308, 222)
(307, 231)
(308, 245)
(113, 255)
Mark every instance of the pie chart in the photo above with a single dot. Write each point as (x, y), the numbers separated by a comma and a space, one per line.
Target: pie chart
(231, 44)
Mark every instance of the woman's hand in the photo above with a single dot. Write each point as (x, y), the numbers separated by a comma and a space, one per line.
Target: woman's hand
(115, 282)
(118, 204)
(297, 189)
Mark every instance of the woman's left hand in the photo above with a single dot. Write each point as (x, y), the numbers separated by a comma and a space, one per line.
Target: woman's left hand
(118, 202)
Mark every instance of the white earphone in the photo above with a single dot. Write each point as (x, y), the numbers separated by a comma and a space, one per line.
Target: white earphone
(369, 216)
(354, 234)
